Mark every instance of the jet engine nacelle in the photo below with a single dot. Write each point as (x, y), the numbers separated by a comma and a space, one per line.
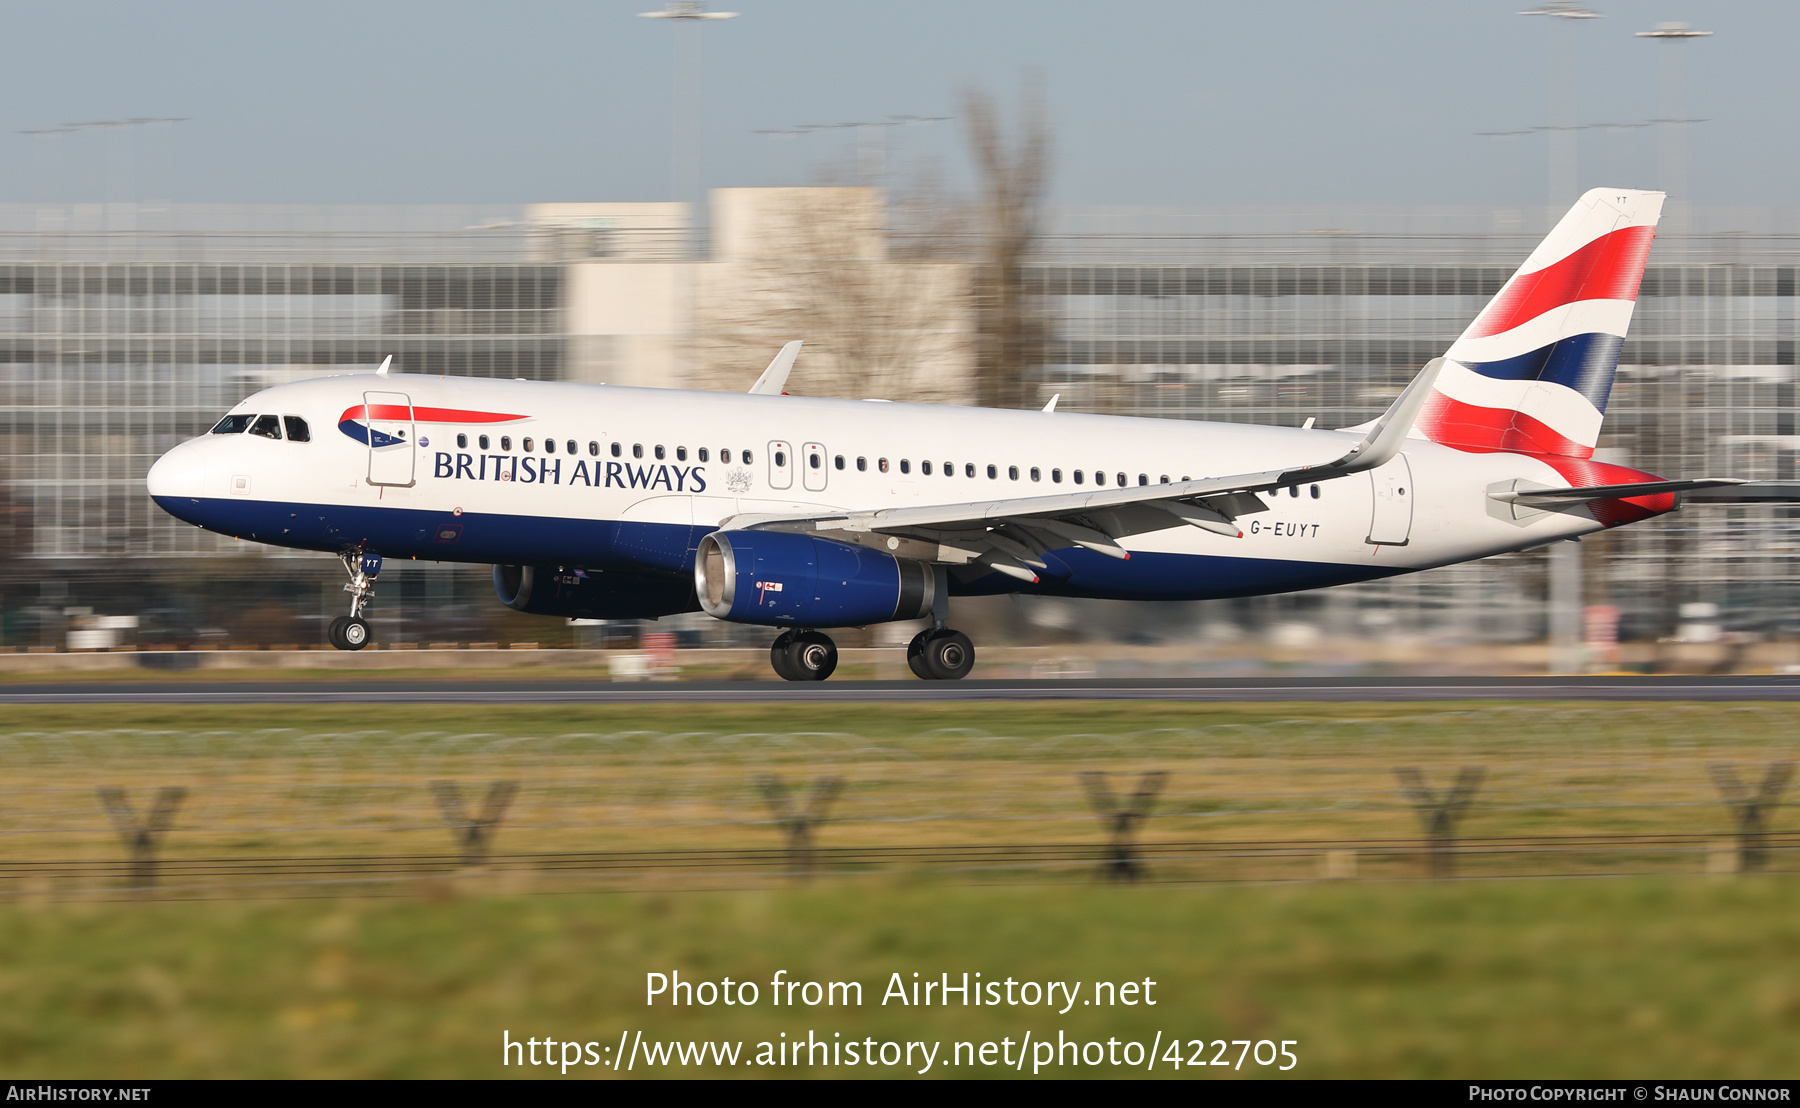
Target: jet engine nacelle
(591, 594)
(789, 580)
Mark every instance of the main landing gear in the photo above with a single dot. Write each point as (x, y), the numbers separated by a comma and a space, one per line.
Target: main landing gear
(937, 654)
(803, 655)
(351, 632)
(940, 654)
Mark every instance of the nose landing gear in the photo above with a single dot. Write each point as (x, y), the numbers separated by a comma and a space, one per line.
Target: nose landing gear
(351, 632)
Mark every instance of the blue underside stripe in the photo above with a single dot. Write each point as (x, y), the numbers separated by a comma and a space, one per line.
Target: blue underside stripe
(1585, 363)
(537, 540)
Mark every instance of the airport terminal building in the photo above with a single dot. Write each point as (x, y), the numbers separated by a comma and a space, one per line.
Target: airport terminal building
(124, 330)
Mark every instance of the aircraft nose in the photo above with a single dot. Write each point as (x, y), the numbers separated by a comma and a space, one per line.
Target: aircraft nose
(179, 473)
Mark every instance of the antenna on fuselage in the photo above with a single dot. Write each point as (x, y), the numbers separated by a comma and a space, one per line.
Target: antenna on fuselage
(385, 362)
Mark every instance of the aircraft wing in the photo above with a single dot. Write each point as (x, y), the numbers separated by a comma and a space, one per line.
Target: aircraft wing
(1011, 535)
(774, 378)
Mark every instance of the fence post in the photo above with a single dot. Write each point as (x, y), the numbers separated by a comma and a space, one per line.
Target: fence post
(1440, 813)
(1751, 809)
(142, 838)
(473, 833)
(1122, 820)
(796, 822)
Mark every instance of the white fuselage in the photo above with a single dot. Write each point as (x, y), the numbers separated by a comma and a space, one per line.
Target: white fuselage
(637, 476)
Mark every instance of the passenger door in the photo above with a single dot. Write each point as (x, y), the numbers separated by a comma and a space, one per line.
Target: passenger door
(389, 416)
(813, 473)
(1390, 523)
(781, 465)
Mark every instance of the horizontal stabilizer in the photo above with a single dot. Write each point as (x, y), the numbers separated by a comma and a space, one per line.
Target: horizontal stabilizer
(1535, 497)
(1749, 492)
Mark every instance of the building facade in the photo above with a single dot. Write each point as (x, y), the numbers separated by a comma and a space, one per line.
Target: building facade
(124, 331)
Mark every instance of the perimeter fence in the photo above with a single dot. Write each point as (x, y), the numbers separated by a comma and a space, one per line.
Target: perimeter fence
(1494, 792)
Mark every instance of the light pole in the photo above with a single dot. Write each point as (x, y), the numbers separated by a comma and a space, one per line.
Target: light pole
(684, 129)
(1674, 122)
(1565, 557)
(1563, 166)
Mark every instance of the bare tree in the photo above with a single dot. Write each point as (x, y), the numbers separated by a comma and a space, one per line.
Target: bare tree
(1014, 173)
(874, 324)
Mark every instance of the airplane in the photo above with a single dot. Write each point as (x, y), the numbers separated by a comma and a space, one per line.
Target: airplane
(805, 514)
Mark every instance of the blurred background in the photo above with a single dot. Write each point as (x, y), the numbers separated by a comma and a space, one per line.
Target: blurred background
(1308, 212)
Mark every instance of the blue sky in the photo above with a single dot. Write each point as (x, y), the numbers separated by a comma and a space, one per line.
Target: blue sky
(1152, 103)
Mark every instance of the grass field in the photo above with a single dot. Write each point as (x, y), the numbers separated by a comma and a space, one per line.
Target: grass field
(1677, 974)
(1648, 977)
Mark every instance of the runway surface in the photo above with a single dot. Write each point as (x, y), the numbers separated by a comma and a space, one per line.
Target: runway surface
(1318, 689)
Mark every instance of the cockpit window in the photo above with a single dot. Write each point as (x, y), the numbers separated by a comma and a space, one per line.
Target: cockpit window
(296, 429)
(268, 426)
(233, 425)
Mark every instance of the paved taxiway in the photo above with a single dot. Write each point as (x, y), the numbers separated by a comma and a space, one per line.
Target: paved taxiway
(757, 692)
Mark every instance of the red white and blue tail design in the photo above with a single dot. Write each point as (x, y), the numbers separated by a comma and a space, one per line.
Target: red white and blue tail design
(1531, 375)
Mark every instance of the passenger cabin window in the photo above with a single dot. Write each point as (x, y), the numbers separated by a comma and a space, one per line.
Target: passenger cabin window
(838, 461)
(570, 445)
(905, 466)
(506, 442)
(1143, 478)
(660, 455)
(233, 425)
(703, 454)
(1077, 476)
(1315, 492)
(1056, 476)
(749, 459)
(862, 465)
(482, 442)
(462, 442)
(1012, 473)
(994, 472)
(593, 448)
(925, 467)
(637, 450)
(1121, 480)
(968, 469)
(780, 458)
(549, 446)
(813, 461)
(681, 453)
(297, 431)
(1164, 479)
(724, 455)
(882, 465)
(1036, 474)
(527, 444)
(615, 450)
(268, 427)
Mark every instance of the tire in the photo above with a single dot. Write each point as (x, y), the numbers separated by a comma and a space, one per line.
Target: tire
(778, 656)
(355, 633)
(949, 655)
(812, 656)
(334, 634)
(915, 655)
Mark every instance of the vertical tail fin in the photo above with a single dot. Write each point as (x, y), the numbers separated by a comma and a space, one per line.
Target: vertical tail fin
(1533, 372)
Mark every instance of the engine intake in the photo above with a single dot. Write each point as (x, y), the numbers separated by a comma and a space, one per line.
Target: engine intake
(591, 594)
(784, 579)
